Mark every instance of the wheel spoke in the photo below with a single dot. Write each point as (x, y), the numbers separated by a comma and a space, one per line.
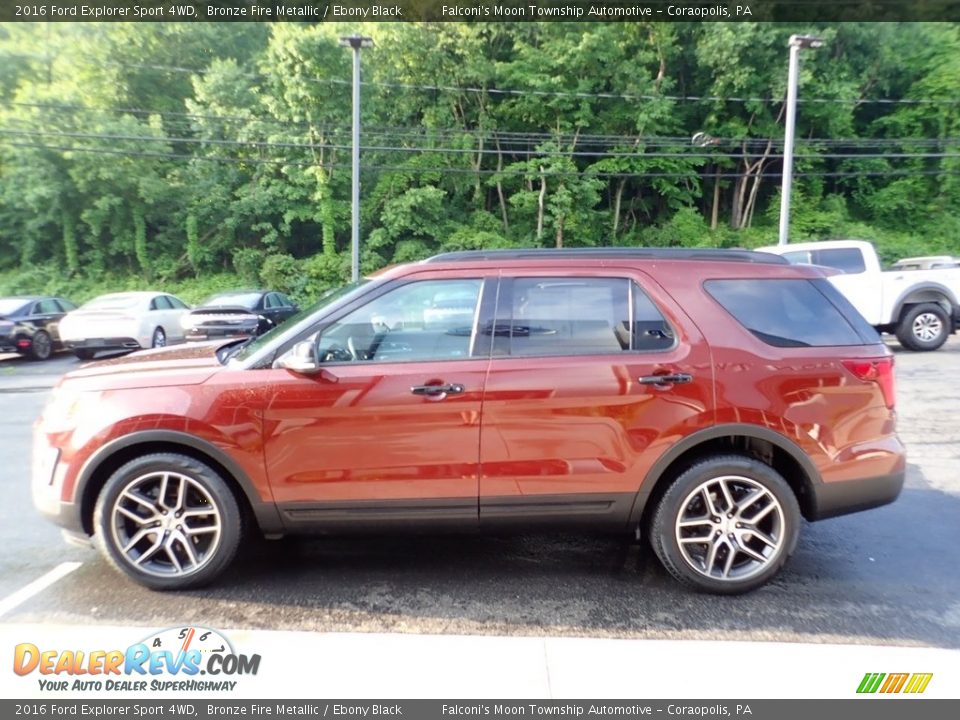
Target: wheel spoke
(750, 552)
(168, 546)
(696, 522)
(137, 537)
(711, 557)
(728, 565)
(708, 501)
(202, 530)
(150, 551)
(763, 537)
(727, 495)
(163, 491)
(131, 495)
(749, 500)
(188, 548)
(706, 540)
(761, 513)
(133, 516)
(181, 494)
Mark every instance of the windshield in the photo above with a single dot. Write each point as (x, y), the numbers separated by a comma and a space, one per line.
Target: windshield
(238, 299)
(113, 302)
(241, 352)
(9, 306)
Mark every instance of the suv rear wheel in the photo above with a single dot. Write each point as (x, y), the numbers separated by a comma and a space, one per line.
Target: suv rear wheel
(168, 521)
(726, 525)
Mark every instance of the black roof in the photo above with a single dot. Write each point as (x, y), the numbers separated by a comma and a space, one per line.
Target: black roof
(642, 253)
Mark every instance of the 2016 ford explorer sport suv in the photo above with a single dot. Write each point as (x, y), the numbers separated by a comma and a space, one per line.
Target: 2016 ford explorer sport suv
(707, 399)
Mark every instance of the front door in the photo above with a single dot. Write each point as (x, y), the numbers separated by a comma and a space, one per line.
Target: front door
(389, 431)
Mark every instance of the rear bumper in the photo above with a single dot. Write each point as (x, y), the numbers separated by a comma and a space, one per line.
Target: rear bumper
(113, 343)
(198, 335)
(850, 496)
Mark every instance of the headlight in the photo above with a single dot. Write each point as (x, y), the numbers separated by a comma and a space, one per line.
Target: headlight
(66, 407)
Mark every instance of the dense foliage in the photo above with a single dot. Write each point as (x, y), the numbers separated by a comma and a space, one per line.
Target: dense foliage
(168, 153)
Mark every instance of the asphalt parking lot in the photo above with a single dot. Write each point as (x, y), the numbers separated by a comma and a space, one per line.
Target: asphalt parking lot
(888, 576)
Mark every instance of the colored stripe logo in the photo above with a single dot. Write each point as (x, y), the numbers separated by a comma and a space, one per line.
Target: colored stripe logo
(913, 683)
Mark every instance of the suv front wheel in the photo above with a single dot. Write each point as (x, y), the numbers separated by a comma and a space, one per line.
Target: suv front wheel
(726, 525)
(168, 521)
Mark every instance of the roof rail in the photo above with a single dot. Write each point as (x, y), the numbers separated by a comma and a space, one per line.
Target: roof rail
(633, 253)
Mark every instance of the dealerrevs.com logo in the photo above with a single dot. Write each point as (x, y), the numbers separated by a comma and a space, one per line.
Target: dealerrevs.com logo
(887, 683)
(172, 660)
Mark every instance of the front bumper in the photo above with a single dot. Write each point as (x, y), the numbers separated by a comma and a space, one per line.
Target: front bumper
(46, 484)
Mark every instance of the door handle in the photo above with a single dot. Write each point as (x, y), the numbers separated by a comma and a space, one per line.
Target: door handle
(435, 390)
(670, 379)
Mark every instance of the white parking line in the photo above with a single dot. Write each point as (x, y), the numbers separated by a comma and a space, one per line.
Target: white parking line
(42, 583)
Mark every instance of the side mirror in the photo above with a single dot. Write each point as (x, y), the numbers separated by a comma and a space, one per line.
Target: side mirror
(301, 359)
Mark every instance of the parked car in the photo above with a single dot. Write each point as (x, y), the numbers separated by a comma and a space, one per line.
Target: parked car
(29, 325)
(237, 314)
(921, 307)
(707, 399)
(926, 262)
(123, 322)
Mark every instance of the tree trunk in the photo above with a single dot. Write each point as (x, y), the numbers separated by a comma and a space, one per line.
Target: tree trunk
(757, 179)
(715, 210)
(540, 203)
(559, 241)
(503, 202)
(477, 186)
(617, 199)
(70, 243)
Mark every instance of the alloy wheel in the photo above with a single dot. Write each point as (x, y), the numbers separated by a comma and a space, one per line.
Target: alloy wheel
(166, 524)
(42, 346)
(730, 528)
(927, 327)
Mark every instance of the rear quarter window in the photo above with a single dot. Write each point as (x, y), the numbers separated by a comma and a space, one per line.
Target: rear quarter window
(792, 312)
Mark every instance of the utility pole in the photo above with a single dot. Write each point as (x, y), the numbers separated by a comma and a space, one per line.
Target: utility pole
(356, 42)
(796, 43)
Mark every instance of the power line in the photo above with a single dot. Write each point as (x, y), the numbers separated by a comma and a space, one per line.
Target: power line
(570, 94)
(533, 154)
(506, 172)
(514, 137)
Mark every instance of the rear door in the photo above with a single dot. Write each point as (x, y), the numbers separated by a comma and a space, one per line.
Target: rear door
(592, 377)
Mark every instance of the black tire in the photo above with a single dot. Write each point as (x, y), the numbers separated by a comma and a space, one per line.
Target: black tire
(161, 560)
(159, 338)
(42, 346)
(84, 353)
(923, 327)
(685, 498)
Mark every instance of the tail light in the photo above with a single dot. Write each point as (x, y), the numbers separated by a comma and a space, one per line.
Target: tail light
(879, 371)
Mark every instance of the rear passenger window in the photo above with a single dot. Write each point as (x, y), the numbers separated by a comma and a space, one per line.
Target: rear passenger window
(784, 312)
(580, 316)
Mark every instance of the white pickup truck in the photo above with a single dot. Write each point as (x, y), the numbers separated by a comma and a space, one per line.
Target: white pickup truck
(922, 307)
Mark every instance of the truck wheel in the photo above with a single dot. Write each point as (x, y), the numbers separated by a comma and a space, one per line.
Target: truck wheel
(923, 327)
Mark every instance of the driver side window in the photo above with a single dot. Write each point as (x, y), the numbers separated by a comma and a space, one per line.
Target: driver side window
(419, 321)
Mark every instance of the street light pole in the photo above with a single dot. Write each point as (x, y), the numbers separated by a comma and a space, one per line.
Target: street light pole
(356, 42)
(796, 43)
